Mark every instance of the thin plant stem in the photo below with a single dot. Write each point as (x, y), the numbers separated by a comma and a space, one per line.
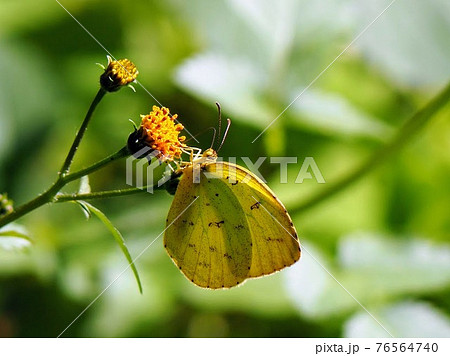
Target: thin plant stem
(63, 176)
(405, 133)
(79, 136)
(49, 195)
(61, 198)
(33, 204)
(123, 152)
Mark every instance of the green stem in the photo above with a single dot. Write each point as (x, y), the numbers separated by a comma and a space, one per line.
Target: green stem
(63, 176)
(79, 136)
(50, 194)
(37, 202)
(123, 152)
(61, 198)
(410, 127)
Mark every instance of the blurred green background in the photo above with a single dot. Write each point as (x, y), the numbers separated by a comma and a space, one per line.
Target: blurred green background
(385, 238)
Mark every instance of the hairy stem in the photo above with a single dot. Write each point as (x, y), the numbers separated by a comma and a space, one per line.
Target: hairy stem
(49, 196)
(123, 152)
(61, 198)
(37, 202)
(79, 136)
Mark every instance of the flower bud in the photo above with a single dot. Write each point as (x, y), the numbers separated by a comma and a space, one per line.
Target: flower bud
(118, 74)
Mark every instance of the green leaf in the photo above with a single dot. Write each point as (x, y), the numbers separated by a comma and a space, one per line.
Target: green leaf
(420, 41)
(235, 82)
(274, 23)
(117, 236)
(333, 114)
(246, 299)
(374, 269)
(14, 237)
(84, 209)
(405, 319)
(395, 266)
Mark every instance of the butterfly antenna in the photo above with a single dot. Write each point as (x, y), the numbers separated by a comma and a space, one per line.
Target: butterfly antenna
(225, 134)
(214, 135)
(220, 123)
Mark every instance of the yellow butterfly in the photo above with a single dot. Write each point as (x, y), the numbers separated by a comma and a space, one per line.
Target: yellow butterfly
(225, 225)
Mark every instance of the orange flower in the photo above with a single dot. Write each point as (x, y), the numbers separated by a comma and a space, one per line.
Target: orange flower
(159, 132)
(118, 74)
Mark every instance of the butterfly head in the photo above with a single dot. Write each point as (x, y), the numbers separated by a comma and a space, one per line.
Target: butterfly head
(209, 156)
(209, 153)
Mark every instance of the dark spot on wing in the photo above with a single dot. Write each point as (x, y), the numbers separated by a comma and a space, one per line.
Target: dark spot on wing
(204, 264)
(217, 194)
(235, 183)
(193, 247)
(274, 239)
(226, 255)
(191, 223)
(216, 223)
(207, 204)
(239, 227)
(212, 248)
(255, 206)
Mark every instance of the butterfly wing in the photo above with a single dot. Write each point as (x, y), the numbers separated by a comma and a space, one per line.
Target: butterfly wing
(274, 238)
(228, 227)
(205, 237)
